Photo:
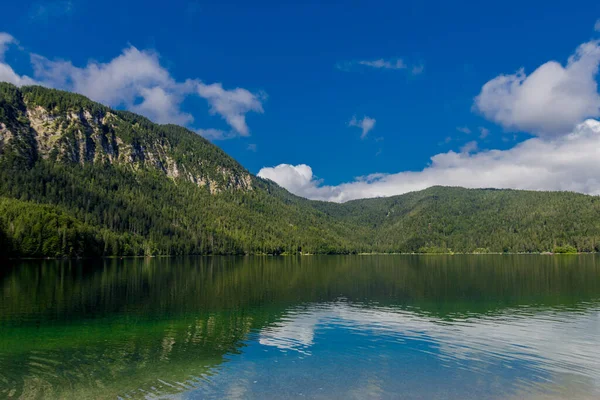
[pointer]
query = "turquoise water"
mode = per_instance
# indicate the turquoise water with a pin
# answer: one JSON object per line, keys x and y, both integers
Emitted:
{"x": 342, "y": 327}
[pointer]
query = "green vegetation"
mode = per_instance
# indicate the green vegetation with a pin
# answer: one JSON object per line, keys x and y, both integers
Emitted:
{"x": 468, "y": 219}
{"x": 79, "y": 179}
{"x": 434, "y": 250}
{"x": 41, "y": 230}
{"x": 481, "y": 251}
{"x": 568, "y": 249}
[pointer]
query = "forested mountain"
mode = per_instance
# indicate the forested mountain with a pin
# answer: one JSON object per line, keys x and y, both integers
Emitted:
{"x": 440, "y": 219}
{"x": 80, "y": 179}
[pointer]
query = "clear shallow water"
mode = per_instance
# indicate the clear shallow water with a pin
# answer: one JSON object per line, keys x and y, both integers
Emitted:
{"x": 464, "y": 327}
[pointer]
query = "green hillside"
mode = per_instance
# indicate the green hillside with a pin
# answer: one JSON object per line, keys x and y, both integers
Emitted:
{"x": 466, "y": 220}
{"x": 80, "y": 179}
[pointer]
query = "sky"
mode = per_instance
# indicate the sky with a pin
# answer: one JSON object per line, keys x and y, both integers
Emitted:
{"x": 340, "y": 100}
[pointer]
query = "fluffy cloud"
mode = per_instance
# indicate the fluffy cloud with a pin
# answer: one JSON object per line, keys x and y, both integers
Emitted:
{"x": 597, "y": 25}
{"x": 298, "y": 179}
{"x": 463, "y": 129}
{"x": 162, "y": 106}
{"x": 118, "y": 82}
{"x": 569, "y": 162}
{"x": 232, "y": 105}
{"x": 366, "y": 124}
{"x": 548, "y": 102}
{"x": 138, "y": 82}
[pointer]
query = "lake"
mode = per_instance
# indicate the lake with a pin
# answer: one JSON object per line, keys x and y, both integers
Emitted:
{"x": 316, "y": 327}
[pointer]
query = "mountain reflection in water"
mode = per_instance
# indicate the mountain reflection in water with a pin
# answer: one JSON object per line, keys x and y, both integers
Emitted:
{"x": 486, "y": 326}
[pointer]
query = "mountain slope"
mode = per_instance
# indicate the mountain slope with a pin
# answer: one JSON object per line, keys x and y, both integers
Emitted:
{"x": 464, "y": 220}
{"x": 43, "y": 124}
{"x": 80, "y": 179}
{"x": 141, "y": 188}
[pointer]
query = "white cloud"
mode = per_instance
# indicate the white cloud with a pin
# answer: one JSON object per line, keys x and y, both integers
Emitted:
{"x": 232, "y": 105}
{"x": 366, "y": 124}
{"x": 137, "y": 81}
{"x": 382, "y": 63}
{"x": 551, "y": 100}
{"x": 483, "y": 132}
{"x": 568, "y": 162}
{"x": 298, "y": 179}
{"x": 469, "y": 147}
{"x": 463, "y": 129}
{"x": 161, "y": 106}
{"x": 597, "y": 25}
{"x": 5, "y": 41}
{"x": 252, "y": 147}
{"x": 7, "y": 74}
{"x": 119, "y": 81}
{"x": 130, "y": 77}
{"x": 385, "y": 64}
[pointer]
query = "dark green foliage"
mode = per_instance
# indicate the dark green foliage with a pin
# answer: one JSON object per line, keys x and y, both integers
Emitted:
{"x": 81, "y": 198}
{"x": 33, "y": 230}
{"x": 10, "y": 102}
{"x": 147, "y": 214}
{"x": 60, "y": 101}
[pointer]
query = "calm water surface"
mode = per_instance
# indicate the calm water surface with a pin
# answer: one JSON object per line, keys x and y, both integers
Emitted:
{"x": 363, "y": 327}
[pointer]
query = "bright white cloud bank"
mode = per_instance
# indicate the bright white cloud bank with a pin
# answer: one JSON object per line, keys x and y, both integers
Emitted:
{"x": 137, "y": 81}
{"x": 551, "y": 100}
{"x": 570, "y": 162}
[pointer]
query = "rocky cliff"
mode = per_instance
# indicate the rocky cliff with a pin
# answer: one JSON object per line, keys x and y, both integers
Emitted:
{"x": 39, "y": 123}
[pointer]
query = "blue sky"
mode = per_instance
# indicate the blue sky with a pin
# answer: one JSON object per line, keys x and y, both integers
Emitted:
{"x": 308, "y": 74}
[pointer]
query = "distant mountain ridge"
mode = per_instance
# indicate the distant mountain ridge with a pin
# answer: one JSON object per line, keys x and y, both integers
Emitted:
{"x": 80, "y": 179}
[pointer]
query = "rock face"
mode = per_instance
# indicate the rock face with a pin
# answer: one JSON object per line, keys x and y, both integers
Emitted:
{"x": 71, "y": 129}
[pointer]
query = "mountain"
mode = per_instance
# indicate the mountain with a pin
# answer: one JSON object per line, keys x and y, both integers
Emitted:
{"x": 466, "y": 220}
{"x": 80, "y": 179}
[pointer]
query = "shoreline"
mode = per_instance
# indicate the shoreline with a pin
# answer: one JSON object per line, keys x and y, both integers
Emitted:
{"x": 290, "y": 255}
